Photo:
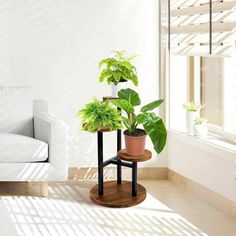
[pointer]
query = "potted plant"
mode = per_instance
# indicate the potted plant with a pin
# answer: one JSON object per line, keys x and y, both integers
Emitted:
{"x": 200, "y": 127}
{"x": 153, "y": 125}
{"x": 192, "y": 109}
{"x": 99, "y": 115}
{"x": 116, "y": 70}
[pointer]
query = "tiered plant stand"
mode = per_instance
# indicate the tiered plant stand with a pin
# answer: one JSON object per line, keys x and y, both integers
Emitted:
{"x": 118, "y": 193}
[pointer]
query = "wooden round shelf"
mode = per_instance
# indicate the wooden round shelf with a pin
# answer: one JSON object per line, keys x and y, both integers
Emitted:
{"x": 105, "y": 129}
{"x": 118, "y": 195}
{"x": 123, "y": 155}
{"x": 109, "y": 98}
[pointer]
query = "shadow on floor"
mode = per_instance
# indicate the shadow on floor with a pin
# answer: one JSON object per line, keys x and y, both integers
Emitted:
{"x": 69, "y": 211}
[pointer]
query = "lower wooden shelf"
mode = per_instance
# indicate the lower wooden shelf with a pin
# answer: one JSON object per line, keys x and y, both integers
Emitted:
{"x": 118, "y": 195}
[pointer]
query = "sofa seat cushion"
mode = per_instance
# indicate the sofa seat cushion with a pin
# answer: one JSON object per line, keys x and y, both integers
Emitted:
{"x": 18, "y": 148}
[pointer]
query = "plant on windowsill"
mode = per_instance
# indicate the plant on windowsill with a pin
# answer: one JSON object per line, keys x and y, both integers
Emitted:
{"x": 200, "y": 127}
{"x": 153, "y": 125}
{"x": 99, "y": 115}
{"x": 192, "y": 109}
{"x": 116, "y": 70}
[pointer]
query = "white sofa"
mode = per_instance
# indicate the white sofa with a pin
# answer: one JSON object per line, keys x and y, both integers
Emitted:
{"x": 32, "y": 143}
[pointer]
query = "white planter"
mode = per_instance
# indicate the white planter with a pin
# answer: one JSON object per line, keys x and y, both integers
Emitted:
{"x": 200, "y": 130}
{"x": 116, "y": 88}
{"x": 190, "y": 117}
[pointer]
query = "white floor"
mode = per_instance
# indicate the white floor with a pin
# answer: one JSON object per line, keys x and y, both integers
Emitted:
{"x": 168, "y": 210}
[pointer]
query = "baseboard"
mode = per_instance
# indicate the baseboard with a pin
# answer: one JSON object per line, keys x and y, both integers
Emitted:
{"x": 90, "y": 173}
{"x": 24, "y": 188}
{"x": 219, "y": 201}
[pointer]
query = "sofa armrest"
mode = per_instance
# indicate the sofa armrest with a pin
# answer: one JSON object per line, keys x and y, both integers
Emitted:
{"x": 54, "y": 133}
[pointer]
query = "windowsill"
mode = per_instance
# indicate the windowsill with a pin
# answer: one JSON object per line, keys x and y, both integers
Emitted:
{"x": 210, "y": 144}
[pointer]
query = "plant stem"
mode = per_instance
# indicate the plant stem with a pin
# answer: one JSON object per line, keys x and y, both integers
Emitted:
{"x": 132, "y": 122}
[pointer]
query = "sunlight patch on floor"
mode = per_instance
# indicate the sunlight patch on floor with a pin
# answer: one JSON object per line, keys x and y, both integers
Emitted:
{"x": 69, "y": 211}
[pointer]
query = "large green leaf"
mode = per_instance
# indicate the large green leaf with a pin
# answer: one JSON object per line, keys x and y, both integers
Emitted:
{"x": 152, "y": 105}
{"x": 123, "y": 105}
{"x": 129, "y": 95}
{"x": 155, "y": 128}
{"x": 140, "y": 118}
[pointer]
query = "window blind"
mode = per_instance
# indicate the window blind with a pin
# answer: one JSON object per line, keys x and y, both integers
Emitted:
{"x": 202, "y": 27}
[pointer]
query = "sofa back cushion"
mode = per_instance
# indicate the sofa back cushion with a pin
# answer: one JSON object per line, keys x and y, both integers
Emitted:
{"x": 16, "y": 110}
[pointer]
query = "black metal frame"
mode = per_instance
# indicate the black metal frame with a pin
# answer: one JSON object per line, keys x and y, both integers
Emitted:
{"x": 210, "y": 26}
{"x": 115, "y": 161}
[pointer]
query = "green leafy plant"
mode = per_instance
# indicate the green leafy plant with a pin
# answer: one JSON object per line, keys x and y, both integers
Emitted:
{"x": 192, "y": 106}
{"x": 152, "y": 124}
{"x": 200, "y": 120}
{"x": 98, "y": 115}
{"x": 118, "y": 69}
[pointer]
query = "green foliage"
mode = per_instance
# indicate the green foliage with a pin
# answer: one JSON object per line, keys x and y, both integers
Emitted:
{"x": 192, "y": 106}
{"x": 117, "y": 69}
{"x": 123, "y": 105}
{"x": 155, "y": 128}
{"x": 130, "y": 95}
{"x": 200, "y": 120}
{"x": 152, "y": 124}
{"x": 97, "y": 115}
{"x": 152, "y": 105}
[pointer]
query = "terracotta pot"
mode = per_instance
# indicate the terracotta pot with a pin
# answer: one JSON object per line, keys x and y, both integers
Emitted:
{"x": 135, "y": 145}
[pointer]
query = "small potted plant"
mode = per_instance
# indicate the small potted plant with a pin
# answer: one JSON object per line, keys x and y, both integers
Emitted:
{"x": 99, "y": 115}
{"x": 153, "y": 125}
{"x": 116, "y": 70}
{"x": 200, "y": 127}
{"x": 192, "y": 109}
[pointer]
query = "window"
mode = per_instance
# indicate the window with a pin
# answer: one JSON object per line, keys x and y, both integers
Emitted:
{"x": 201, "y": 66}
{"x": 210, "y": 81}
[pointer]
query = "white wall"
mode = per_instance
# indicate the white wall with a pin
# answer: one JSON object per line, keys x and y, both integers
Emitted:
{"x": 55, "y": 46}
{"x": 207, "y": 164}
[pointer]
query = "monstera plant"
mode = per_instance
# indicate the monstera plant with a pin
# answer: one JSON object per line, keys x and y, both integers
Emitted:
{"x": 152, "y": 124}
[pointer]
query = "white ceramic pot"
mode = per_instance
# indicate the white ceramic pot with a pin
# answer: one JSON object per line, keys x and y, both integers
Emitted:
{"x": 190, "y": 117}
{"x": 200, "y": 130}
{"x": 116, "y": 88}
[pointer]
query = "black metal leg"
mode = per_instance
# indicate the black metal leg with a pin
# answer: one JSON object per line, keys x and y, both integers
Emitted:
{"x": 134, "y": 179}
{"x": 100, "y": 163}
{"x": 119, "y": 161}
